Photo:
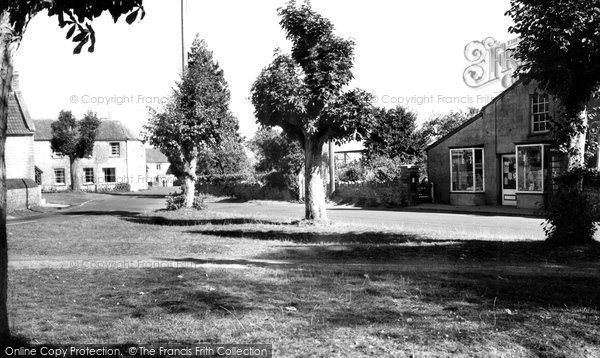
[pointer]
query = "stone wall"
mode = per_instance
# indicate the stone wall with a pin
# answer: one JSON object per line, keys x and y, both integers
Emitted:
{"x": 404, "y": 192}
{"x": 22, "y": 194}
{"x": 244, "y": 191}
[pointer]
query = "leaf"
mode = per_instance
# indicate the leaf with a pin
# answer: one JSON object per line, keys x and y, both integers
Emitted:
{"x": 70, "y": 32}
{"x": 80, "y": 36}
{"x": 78, "y": 48}
{"x": 131, "y": 17}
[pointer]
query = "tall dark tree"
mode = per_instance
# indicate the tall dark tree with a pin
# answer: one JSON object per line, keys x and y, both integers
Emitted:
{"x": 15, "y": 15}
{"x": 560, "y": 49}
{"x": 74, "y": 139}
{"x": 304, "y": 94}
{"x": 275, "y": 151}
{"x": 393, "y": 134}
{"x": 196, "y": 118}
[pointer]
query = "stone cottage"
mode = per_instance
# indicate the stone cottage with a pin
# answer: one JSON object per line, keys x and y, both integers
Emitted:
{"x": 22, "y": 190}
{"x": 118, "y": 157}
{"x": 502, "y": 156}
{"x": 158, "y": 169}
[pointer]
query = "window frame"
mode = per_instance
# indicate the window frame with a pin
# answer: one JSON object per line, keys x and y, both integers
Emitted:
{"x": 118, "y": 146}
{"x": 532, "y": 114}
{"x": 542, "y": 159}
{"x": 85, "y": 181}
{"x": 159, "y": 166}
{"x": 104, "y": 175}
{"x": 64, "y": 176}
{"x": 474, "y": 191}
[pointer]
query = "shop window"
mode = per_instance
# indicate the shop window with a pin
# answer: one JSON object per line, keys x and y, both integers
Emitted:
{"x": 530, "y": 168}
{"x": 466, "y": 170}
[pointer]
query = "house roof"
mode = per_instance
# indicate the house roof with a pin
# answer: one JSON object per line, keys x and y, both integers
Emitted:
{"x": 153, "y": 155}
{"x": 475, "y": 117}
{"x": 109, "y": 130}
{"x": 19, "y": 121}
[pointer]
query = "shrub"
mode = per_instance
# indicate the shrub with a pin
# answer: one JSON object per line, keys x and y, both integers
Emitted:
{"x": 176, "y": 201}
{"x": 351, "y": 172}
{"x": 571, "y": 212}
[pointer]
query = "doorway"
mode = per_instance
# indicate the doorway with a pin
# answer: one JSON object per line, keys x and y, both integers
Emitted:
{"x": 509, "y": 180}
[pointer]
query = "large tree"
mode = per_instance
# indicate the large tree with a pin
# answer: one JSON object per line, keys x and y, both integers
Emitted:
{"x": 196, "y": 118}
{"x": 560, "y": 49}
{"x": 74, "y": 139}
{"x": 305, "y": 94}
{"x": 15, "y": 15}
{"x": 393, "y": 134}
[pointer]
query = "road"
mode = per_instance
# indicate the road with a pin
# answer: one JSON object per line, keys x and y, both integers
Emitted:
{"x": 453, "y": 224}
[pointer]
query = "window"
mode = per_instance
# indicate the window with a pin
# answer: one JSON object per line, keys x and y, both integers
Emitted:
{"x": 540, "y": 118}
{"x": 88, "y": 175}
{"x": 530, "y": 168}
{"x": 466, "y": 170}
{"x": 115, "y": 149}
{"x": 110, "y": 175}
{"x": 158, "y": 166}
{"x": 57, "y": 155}
{"x": 59, "y": 176}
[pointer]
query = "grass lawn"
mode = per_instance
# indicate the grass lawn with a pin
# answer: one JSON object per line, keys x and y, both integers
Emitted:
{"x": 339, "y": 291}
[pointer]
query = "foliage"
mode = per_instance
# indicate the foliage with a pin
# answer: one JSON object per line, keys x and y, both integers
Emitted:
{"x": 351, "y": 172}
{"x": 393, "y": 133}
{"x": 304, "y": 93}
{"x": 276, "y": 151}
{"x": 573, "y": 210}
{"x": 73, "y": 138}
{"x": 75, "y": 14}
{"x": 279, "y": 157}
{"x": 439, "y": 126}
{"x": 560, "y": 49}
{"x": 197, "y": 116}
{"x": 228, "y": 159}
{"x": 177, "y": 201}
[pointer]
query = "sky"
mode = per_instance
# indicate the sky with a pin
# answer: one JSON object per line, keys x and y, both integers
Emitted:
{"x": 410, "y": 53}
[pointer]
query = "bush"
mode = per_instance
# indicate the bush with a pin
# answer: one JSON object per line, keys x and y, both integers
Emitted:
{"x": 351, "y": 172}
{"x": 177, "y": 201}
{"x": 571, "y": 212}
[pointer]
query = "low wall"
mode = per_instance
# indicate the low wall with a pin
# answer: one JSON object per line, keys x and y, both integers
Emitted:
{"x": 403, "y": 192}
{"x": 244, "y": 191}
{"x": 22, "y": 194}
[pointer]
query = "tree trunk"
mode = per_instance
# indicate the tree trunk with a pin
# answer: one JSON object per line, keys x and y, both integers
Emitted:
{"x": 7, "y": 47}
{"x": 75, "y": 177}
{"x": 577, "y": 144}
{"x": 190, "y": 180}
{"x": 314, "y": 192}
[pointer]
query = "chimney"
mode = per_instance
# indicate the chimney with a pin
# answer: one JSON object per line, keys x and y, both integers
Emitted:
{"x": 15, "y": 81}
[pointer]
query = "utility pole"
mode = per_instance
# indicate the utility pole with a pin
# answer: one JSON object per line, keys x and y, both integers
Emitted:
{"x": 182, "y": 41}
{"x": 331, "y": 170}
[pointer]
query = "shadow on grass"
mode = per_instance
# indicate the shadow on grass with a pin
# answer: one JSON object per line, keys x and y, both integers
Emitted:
{"x": 117, "y": 213}
{"x": 162, "y": 221}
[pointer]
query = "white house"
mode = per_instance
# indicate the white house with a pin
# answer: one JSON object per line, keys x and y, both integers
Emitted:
{"x": 158, "y": 169}
{"x": 118, "y": 157}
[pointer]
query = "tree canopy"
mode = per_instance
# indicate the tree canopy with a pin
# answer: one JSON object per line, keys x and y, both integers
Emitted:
{"x": 196, "y": 118}
{"x": 305, "y": 93}
{"x": 559, "y": 48}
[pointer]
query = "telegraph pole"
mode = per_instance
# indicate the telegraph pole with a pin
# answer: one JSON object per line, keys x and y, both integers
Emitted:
{"x": 182, "y": 42}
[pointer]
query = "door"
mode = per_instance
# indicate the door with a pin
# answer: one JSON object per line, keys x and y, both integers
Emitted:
{"x": 509, "y": 180}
